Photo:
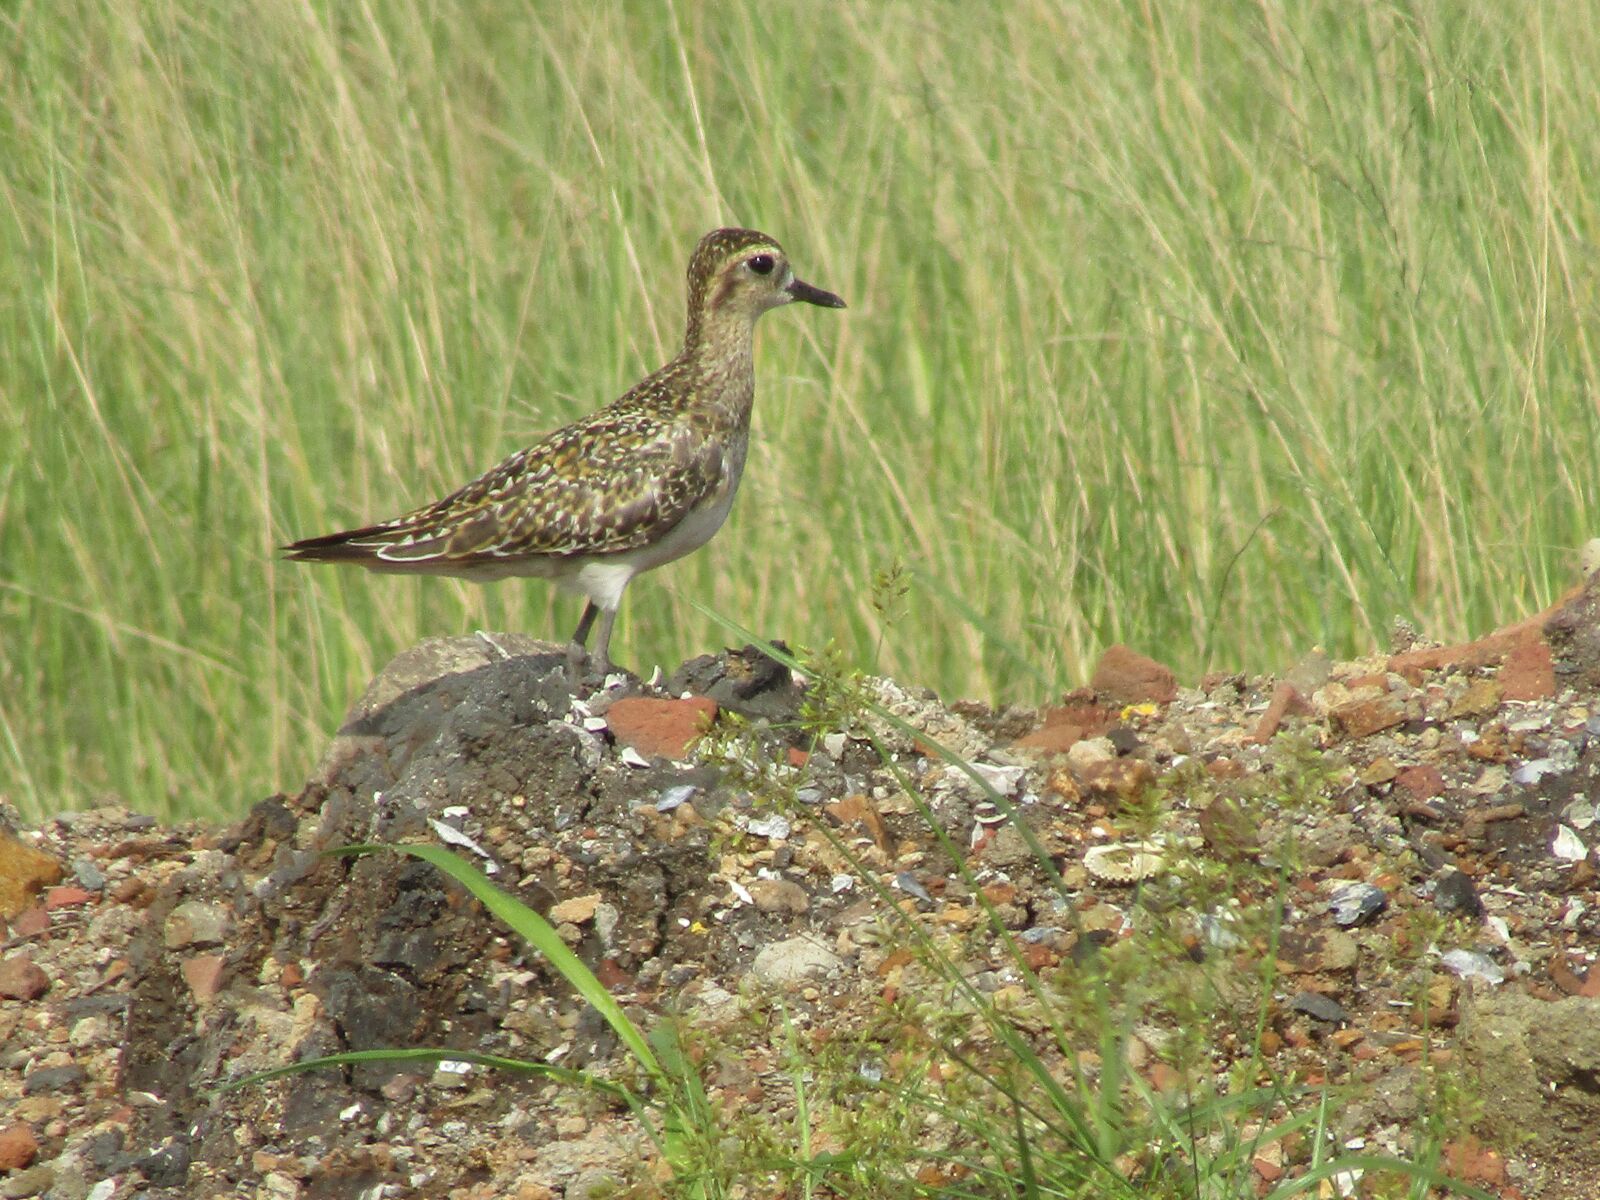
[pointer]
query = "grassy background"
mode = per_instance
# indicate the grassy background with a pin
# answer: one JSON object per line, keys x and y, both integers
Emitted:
{"x": 1220, "y": 329}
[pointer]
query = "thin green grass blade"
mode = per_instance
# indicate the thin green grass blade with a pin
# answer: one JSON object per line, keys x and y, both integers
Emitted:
{"x": 1306, "y": 1184}
{"x": 434, "y": 1054}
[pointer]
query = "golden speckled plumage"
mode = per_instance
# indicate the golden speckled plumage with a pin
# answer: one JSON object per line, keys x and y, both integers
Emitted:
{"x": 639, "y": 483}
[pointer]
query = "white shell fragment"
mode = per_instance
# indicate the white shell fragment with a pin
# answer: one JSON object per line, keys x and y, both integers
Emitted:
{"x": 452, "y": 836}
{"x": 1003, "y": 779}
{"x": 1124, "y": 862}
{"x": 675, "y": 797}
{"x": 774, "y": 825}
{"x": 1470, "y": 965}
{"x": 633, "y": 758}
{"x": 1219, "y": 927}
{"x": 1581, "y": 814}
{"x": 1568, "y": 845}
{"x": 906, "y": 882}
{"x": 1534, "y": 770}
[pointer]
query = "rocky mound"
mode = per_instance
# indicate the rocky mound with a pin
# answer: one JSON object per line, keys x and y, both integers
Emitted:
{"x": 145, "y": 965}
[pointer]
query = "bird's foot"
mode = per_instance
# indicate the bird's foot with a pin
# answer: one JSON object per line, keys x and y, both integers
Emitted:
{"x": 586, "y": 672}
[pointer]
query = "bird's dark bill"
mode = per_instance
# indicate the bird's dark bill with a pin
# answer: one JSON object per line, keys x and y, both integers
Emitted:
{"x": 802, "y": 290}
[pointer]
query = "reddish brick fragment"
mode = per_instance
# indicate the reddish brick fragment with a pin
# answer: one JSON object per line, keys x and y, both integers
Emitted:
{"x": 1423, "y": 782}
{"x": 1128, "y": 677}
{"x": 1286, "y": 700}
{"x": 18, "y": 1147}
{"x": 67, "y": 897}
{"x": 1363, "y": 717}
{"x": 21, "y": 979}
{"x": 660, "y": 728}
{"x": 203, "y": 973}
{"x": 1529, "y": 673}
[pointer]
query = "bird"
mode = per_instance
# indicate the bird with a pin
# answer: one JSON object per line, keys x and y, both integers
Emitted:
{"x": 632, "y": 486}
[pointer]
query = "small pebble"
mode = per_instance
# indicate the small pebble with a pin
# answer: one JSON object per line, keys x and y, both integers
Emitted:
{"x": 21, "y": 980}
{"x": 1319, "y": 1007}
{"x": 1124, "y": 739}
{"x": 88, "y": 875}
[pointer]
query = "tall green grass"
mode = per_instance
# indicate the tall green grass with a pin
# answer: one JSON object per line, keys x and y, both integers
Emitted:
{"x": 1222, "y": 329}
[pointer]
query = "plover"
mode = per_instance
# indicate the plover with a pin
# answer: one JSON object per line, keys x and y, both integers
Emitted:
{"x": 643, "y": 481}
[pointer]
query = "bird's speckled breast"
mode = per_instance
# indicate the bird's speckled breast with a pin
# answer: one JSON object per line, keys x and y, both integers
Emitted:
{"x": 701, "y": 523}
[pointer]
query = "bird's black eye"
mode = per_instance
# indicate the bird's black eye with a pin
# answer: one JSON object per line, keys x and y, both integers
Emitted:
{"x": 761, "y": 264}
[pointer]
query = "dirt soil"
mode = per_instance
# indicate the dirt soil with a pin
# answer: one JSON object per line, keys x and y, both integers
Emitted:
{"x": 1455, "y": 798}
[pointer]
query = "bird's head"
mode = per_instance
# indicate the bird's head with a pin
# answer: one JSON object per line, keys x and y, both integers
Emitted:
{"x": 738, "y": 274}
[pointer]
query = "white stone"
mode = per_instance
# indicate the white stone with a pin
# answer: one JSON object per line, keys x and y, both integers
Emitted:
{"x": 794, "y": 961}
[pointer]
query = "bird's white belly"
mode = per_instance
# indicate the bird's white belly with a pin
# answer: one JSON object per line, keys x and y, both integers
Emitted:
{"x": 604, "y": 577}
{"x": 697, "y": 528}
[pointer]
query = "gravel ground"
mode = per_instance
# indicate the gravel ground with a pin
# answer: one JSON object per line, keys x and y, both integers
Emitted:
{"x": 1448, "y": 794}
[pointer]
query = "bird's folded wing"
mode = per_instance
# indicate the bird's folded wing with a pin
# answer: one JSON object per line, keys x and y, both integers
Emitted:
{"x": 599, "y": 487}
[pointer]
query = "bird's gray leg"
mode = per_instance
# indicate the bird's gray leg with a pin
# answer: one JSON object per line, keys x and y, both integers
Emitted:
{"x": 575, "y": 650}
{"x": 602, "y": 646}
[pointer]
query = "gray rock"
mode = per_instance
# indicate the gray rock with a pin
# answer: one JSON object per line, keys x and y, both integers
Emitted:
{"x": 197, "y": 923}
{"x": 1573, "y": 632}
{"x": 168, "y": 1166}
{"x": 1310, "y": 673}
{"x": 710, "y": 1004}
{"x": 30, "y": 1182}
{"x": 1398, "y": 1095}
{"x": 779, "y": 896}
{"x": 1319, "y": 1007}
{"x": 419, "y": 732}
{"x": 1455, "y": 893}
{"x": 88, "y": 875}
{"x": 1538, "y": 1060}
{"x": 1009, "y": 850}
{"x": 54, "y": 1079}
{"x": 1357, "y": 903}
{"x": 745, "y": 681}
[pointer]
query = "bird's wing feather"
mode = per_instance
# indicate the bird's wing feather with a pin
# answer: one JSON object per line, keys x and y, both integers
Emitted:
{"x": 615, "y": 481}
